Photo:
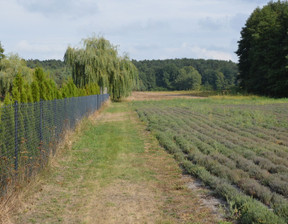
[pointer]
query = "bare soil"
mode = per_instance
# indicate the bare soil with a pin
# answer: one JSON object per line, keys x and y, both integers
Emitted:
{"x": 139, "y": 96}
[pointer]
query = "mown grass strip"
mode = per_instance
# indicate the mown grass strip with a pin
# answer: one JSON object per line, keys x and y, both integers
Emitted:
{"x": 114, "y": 172}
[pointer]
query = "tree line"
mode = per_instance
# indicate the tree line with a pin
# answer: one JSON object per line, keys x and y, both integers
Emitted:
{"x": 171, "y": 74}
{"x": 186, "y": 74}
{"x": 56, "y": 69}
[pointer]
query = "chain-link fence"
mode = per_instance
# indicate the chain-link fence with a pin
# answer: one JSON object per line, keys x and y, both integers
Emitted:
{"x": 29, "y": 133}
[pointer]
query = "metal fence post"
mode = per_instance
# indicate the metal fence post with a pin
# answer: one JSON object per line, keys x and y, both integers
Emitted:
{"x": 41, "y": 117}
{"x": 54, "y": 135}
{"x": 54, "y": 111}
{"x": 98, "y": 102}
{"x": 16, "y": 135}
{"x": 65, "y": 108}
{"x": 65, "y": 114}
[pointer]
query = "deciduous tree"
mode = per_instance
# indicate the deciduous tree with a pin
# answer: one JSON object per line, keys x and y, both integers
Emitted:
{"x": 263, "y": 49}
{"x": 98, "y": 62}
{"x": 11, "y": 66}
{"x": 188, "y": 79}
{"x": 1, "y": 52}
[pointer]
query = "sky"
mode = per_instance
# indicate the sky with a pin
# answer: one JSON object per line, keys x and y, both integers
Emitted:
{"x": 144, "y": 29}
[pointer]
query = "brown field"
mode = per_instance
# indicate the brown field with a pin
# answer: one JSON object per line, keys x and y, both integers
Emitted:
{"x": 163, "y": 95}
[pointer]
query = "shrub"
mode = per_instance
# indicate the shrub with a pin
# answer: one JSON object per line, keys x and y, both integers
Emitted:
{"x": 253, "y": 188}
{"x": 250, "y": 211}
{"x": 277, "y": 185}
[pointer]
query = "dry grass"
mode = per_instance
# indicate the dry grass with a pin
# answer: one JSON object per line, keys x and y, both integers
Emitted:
{"x": 139, "y": 96}
{"x": 17, "y": 194}
{"x": 95, "y": 116}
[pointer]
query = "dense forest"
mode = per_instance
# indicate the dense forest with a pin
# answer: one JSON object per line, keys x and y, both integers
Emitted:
{"x": 170, "y": 74}
{"x": 186, "y": 74}
{"x": 263, "y": 51}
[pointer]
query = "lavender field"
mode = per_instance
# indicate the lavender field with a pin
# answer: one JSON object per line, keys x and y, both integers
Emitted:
{"x": 237, "y": 147}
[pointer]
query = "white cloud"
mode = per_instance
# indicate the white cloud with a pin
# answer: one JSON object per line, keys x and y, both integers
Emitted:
{"x": 42, "y": 49}
{"x": 210, "y": 54}
{"x": 194, "y": 51}
{"x": 144, "y": 28}
{"x": 58, "y": 8}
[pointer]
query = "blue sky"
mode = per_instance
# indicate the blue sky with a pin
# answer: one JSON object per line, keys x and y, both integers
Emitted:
{"x": 145, "y": 29}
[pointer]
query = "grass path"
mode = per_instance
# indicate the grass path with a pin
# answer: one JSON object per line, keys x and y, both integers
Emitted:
{"x": 113, "y": 172}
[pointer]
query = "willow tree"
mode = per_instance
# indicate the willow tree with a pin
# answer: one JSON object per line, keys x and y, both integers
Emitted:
{"x": 98, "y": 62}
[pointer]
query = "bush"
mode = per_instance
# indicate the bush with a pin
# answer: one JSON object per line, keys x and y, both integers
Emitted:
{"x": 255, "y": 213}
{"x": 253, "y": 188}
{"x": 249, "y": 210}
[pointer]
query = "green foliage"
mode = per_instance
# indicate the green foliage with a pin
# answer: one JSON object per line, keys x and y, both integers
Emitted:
{"x": 91, "y": 89}
{"x": 219, "y": 81}
{"x": 1, "y": 53}
{"x": 98, "y": 62}
{"x": 44, "y": 88}
{"x": 20, "y": 89}
{"x": 35, "y": 91}
{"x": 8, "y": 99}
{"x": 263, "y": 51}
{"x": 255, "y": 213}
{"x": 165, "y": 76}
{"x": 56, "y": 69}
{"x": 168, "y": 74}
{"x": 10, "y": 67}
{"x": 42, "y": 81}
{"x": 69, "y": 89}
{"x": 188, "y": 79}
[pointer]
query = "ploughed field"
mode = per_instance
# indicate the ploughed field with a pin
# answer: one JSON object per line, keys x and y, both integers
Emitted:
{"x": 238, "y": 147}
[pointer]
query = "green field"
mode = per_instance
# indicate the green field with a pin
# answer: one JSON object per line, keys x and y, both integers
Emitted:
{"x": 236, "y": 145}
